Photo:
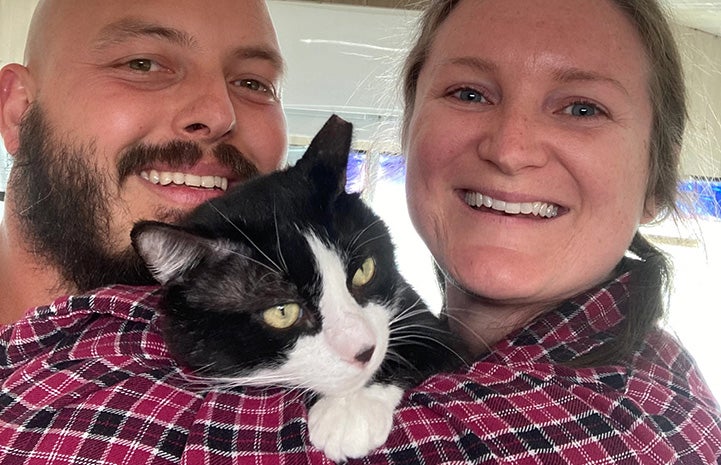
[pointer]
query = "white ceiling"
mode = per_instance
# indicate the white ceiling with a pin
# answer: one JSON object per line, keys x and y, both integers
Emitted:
{"x": 704, "y": 15}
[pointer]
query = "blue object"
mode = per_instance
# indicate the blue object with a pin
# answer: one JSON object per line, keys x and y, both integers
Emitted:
{"x": 705, "y": 195}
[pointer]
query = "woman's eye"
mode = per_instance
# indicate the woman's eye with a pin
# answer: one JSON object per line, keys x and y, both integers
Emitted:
{"x": 583, "y": 110}
{"x": 144, "y": 65}
{"x": 469, "y": 95}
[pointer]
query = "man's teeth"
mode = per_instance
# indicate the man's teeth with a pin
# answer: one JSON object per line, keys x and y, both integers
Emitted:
{"x": 546, "y": 210}
{"x": 165, "y": 177}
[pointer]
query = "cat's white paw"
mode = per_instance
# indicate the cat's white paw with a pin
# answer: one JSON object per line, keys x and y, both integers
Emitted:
{"x": 353, "y": 425}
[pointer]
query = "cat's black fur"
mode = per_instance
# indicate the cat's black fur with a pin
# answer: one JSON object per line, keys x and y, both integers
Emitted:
{"x": 247, "y": 251}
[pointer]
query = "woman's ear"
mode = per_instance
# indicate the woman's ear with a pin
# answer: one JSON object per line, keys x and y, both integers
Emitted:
{"x": 15, "y": 98}
{"x": 650, "y": 211}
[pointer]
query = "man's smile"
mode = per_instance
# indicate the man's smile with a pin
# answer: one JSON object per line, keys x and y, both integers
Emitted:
{"x": 164, "y": 178}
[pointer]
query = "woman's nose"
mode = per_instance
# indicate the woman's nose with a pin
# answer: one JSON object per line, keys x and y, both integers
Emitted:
{"x": 514, "y": 141}
{"x": 208, "y": 113}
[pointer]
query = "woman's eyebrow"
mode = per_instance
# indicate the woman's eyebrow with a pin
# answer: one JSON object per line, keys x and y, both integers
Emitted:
{"x": 131, "y": 28}
{"x": 576, "y": 74}
{"x": 570, "y": 74}
{"x": 475, "y": 63}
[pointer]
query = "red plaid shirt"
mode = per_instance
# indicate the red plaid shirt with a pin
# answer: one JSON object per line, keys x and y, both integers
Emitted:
{"x": 88, "y": 380}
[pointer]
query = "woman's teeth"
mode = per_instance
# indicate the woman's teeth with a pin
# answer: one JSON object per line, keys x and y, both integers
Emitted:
{"x": 543, "y": 209}
{"x": 165, "y": 177}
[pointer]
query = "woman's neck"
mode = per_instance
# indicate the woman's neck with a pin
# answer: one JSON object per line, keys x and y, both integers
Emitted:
{"x": 481, "y": 323}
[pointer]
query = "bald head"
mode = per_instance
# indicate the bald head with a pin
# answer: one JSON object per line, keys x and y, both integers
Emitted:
{"x": 44, "y": 24}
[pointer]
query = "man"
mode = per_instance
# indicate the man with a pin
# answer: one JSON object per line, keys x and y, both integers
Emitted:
{"x": 127, "y": 110}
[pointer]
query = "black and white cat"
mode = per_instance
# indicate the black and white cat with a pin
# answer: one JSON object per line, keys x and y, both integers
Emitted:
{"x": 288, "y": 280}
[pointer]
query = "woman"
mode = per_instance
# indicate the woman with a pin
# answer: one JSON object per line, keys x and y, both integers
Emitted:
{"x": 539, "y": 136}
{"x": 564, "y": 115}
{"x": 583, "y": 120}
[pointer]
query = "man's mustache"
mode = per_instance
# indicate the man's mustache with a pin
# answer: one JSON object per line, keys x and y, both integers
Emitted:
{"x": 178, "y": 154}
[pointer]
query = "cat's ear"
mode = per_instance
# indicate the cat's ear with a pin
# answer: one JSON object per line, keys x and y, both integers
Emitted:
{"x": 169, "y": 251}
{"x": 326, "y": 159}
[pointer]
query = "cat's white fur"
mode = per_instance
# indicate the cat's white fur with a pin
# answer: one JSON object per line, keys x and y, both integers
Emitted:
{"x": 354, "y": 424}
{"x": 353, "y": 417}
{"x": 326, "y": 359}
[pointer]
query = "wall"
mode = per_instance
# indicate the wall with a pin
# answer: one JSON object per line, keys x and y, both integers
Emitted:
{"x": 702, "y": 65}
{"x": 342, "y": 59}
{"x": 14, "y": 19}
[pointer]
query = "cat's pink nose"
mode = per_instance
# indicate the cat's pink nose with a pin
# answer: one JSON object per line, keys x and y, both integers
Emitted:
{"x": 365, "y": 355}
{"x": 350, "y": 337}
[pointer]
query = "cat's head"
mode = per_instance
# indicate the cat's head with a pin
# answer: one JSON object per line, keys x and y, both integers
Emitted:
{"x": 286, "y": 279}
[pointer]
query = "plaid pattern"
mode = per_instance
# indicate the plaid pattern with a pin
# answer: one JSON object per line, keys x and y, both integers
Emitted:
{"x": 88, "y": 380}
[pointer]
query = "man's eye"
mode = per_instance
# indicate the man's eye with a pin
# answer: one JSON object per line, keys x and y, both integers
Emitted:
{"x": 142, "y": 64}
{"x": 256, "y": 89}
{"x": 253, "y": 84}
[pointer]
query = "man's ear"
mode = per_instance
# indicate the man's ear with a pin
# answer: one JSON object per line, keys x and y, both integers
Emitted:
{"x": 15, "y": 98}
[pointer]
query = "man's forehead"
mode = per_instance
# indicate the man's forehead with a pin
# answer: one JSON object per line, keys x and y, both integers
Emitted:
{"x": 107, "y": 23}
{"x": 135, "y": 27}
{"x": 105, "y": 15}
{"x": 132, "y": 27}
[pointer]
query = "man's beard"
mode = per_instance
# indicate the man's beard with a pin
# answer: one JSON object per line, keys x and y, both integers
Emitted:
{"x": 62, "y": 201}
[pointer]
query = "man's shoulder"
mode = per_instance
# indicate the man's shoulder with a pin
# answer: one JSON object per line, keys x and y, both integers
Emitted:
{"x": 108, "y": 322}
{"x": 120, "y": 301}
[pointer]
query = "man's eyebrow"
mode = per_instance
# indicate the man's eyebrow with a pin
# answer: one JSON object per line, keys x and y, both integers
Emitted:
{"x": 575, "y": 74}
{"x": 131, "y": 28}
{"x": 262, "y": 53}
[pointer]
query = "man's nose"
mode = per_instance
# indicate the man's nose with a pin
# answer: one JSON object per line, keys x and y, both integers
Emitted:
{"x": 207, "y": 114}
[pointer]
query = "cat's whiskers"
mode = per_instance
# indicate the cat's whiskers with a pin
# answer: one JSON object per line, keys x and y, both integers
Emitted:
{"x": 418, "y": 339}
{"x": 370, "y": 239}
{"x": 298, "y": 393}
{"x": 468, "y": 328}
{"x": 225, "y": 217}
{"x": 277, "y": 239}
{"x": 192, "y": 381}
{"x": 416, "y": 333}
{"x": 353, "y": 245}
{"x": 204, "y": 384}
{"x": 232, "y": 251}
{"x": 401, "y": 330}
{"x": 397, "y": 321}
{"x": 401, "y": 360}
{"x": 417, "y": 305}
{"x": 408, "y": 312}
{"x": 255, "y": 380}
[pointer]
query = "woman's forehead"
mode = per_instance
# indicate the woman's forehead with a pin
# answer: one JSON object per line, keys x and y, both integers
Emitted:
{"x": 593, "y": 36}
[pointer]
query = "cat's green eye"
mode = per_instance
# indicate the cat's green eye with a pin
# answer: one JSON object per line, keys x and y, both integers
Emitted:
{"x": 282, "y": 316}
{"x": 365, "y": 273}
